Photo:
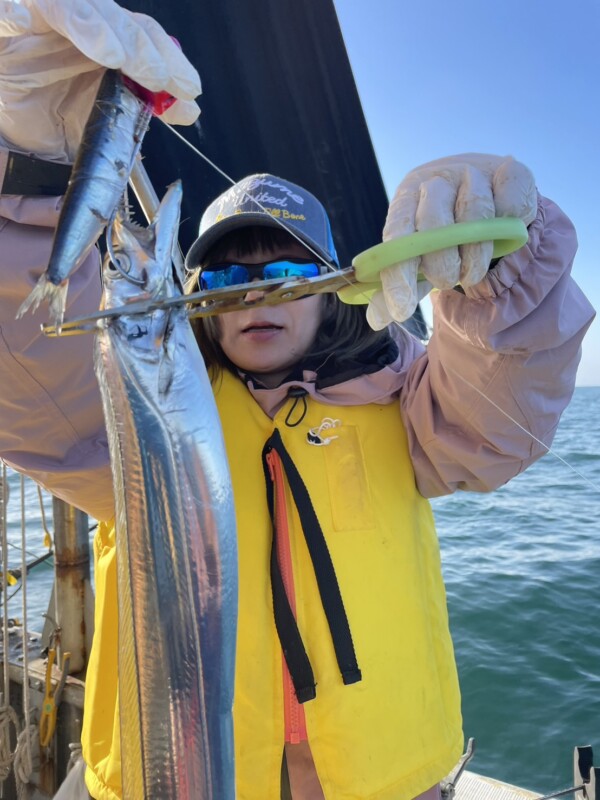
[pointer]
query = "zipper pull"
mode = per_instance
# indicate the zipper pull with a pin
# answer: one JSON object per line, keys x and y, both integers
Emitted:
{"x": 269, "y": 458}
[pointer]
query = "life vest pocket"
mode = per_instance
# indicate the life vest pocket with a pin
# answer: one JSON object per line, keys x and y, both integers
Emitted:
{"x": 349, "y": 493}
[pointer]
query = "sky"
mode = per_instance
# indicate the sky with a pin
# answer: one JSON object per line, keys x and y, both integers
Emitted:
{"x": 509, "y": 77}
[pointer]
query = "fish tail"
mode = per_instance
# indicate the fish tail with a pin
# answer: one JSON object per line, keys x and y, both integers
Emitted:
{"x": 55, "y": 294}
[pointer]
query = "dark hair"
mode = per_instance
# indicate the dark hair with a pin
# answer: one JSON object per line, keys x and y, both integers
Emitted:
{"x": 344, "y": 333}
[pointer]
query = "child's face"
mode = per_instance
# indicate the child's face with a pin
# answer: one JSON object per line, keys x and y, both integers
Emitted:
{"x": 269, "y": 340}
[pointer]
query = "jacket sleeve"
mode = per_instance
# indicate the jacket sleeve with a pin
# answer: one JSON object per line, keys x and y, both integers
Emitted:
{"x": 51, "y": 422}
{"x": 485, "y": 400}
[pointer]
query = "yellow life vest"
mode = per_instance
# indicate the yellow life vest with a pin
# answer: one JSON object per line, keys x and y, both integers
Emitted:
{"x": 397, "y": 731}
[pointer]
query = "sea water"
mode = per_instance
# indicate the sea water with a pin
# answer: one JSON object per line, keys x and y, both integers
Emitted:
{"x": 522, "y": 570}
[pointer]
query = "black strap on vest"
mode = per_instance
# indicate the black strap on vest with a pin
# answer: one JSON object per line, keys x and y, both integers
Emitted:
{"x": 28, "y": 175}
{"x": 297, "y": 392}
{"x": 291, "y": 642}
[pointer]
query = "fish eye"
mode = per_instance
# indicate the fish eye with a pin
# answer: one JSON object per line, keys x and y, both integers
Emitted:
{"x": 122, "y": 267}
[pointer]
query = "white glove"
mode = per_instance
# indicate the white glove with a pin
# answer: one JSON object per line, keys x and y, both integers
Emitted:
{"x": 53, "y": 55}
{"x": 460, "y": 188}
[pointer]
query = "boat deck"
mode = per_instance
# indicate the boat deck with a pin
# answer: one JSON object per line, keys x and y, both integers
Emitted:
{"x": 472, "y": 786}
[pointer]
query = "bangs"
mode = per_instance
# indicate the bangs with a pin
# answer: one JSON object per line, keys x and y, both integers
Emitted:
{"x": 245, "y": 241}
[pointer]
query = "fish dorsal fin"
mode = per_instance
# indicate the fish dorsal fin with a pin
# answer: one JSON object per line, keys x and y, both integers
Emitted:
{"x": 166, "y": 221}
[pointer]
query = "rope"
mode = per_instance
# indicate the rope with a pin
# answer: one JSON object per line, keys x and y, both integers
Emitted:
{"x": 29, "y": 737}
{"x": 3, "y": 496}
{"x": 8, "y": 715}
{"x": 23, "y": 763}
{"x": 3, "y": 532}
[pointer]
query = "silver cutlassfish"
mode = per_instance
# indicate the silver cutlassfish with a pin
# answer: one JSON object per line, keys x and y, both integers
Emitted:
{"x": 110, "y": 142}
{"x": 176, "y": 541}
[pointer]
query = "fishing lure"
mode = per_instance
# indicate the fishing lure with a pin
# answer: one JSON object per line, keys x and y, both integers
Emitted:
{"x": 111, "y": 140}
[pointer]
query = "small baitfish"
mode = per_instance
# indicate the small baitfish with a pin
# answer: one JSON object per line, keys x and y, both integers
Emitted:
{"x": 175, "y": 526}
{"x": 110, "y": 141}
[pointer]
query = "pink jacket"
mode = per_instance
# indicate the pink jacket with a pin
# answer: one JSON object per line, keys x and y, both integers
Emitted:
{"x": 512, "y": 343}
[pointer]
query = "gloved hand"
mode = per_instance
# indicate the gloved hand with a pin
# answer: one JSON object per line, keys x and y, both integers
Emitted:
{"x": 53, "y": 55}
{"x": 459, "y": 188}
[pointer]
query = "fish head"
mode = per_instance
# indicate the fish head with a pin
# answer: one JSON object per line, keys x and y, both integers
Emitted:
{"x": 138, "y": 265}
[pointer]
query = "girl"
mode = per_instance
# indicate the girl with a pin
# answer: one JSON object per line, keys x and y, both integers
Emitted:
{"x": 346, "y": 684}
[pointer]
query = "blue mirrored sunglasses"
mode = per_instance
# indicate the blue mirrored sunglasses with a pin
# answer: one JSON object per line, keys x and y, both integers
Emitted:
{"x": 222, "y": 275}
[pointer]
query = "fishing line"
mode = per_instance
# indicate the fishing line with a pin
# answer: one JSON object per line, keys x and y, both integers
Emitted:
{"x": 399, "y": 325}
{"x": 29, "y": 552}
{"x": 10, "y": 596}
{"x": 518, "y": 424}
{"x": 227, "y": 177}
{"x": 290, "y": 231}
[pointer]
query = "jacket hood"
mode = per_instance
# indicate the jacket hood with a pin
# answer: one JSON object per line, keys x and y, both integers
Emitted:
{"x": 376, "y": 378}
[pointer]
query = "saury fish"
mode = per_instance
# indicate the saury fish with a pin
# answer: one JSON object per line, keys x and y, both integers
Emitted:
{"x": 110, "y": 141}
{"x": 175, "y": 528}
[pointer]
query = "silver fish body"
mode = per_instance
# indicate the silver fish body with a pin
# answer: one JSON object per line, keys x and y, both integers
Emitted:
{"x": 176, "y": 540}
{"x": 111, "y": 138}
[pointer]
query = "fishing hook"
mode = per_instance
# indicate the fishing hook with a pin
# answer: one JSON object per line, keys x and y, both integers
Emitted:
{"x": 114, "y": 258}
